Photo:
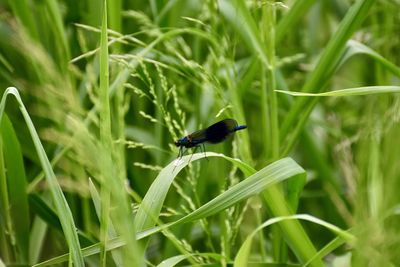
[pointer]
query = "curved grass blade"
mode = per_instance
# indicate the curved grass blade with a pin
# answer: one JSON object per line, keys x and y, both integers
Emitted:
{"x": 357, "y": 91}
{"x": 323, "y": 71}
{"x": 60, "y": 203}
{"x": 244, "y": 252}
{"x": 258, "y": 181}
{"x": 153, "y": 201}
{"x": 355, "y": 48}
{"x": 328, "y": 248}
{"x": 276, "y": 172}
{"x": 170, "y": 262}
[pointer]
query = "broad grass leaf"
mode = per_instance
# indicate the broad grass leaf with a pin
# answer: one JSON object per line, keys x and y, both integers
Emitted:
{"x": 278, "y": 171}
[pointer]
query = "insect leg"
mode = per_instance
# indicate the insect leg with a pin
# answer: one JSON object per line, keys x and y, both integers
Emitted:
{"x": 182, "y": 152}
{"x": 194, "y": 151}
{"x": 204, "y": 150}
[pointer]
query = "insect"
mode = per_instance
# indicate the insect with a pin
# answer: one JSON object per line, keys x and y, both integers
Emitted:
{"x": 213, "y": 134}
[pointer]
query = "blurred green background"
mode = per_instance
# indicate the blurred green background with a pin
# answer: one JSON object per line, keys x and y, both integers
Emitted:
{"x": 178, "y": 66}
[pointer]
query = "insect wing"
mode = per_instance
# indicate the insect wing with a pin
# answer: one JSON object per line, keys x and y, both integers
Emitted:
{"x": 198, "y": 137}
{"x": 219, "y": 131}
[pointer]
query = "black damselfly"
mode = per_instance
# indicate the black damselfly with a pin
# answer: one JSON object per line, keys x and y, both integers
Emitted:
{"x": 213, "y": 134}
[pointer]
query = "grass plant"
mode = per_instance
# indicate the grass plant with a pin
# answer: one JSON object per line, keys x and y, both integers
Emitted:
{"x": 94, "y": 94}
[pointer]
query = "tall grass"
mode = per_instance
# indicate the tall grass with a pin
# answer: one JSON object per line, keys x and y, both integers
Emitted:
{"x": 98, "y": 92}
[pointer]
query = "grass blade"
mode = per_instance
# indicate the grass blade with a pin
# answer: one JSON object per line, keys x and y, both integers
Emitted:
{"x": 170, "y": 262}
{"x": 354, "y": 48}
{"x": 151, "y": 205}
{"x": 357, "y": 91}
{"x": 299, "y": 8}
{"x": 256, "y": 183}
{"x": 63, "y": 211}
{"x": 24, "y": 14}
{"x": 112, "y": 182}
{"x": 238, "y": 15}
{"x": 244, "y": 251}
{"x": 323, "y": 71}
{"x": 105, "y": 135}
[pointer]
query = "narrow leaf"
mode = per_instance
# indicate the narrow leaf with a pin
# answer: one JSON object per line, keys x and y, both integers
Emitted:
{"x": 368, "y": 90}
{"x": 63, "y": 211}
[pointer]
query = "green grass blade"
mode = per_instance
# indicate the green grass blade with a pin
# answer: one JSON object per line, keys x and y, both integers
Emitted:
{"x": 88, "y": 251}
{"x": 63, "y": 211}
{"x": 57, "y": 27}
{"x": 355, "y": 48}
{"x": 170, "y": 262}
{"x": 112, "y": 182}
{"x": 153, "y": 201}
{"x": 105, "y": 135}
{"x": 293, "y": 231}
{"x": 238, "y": 15}
{"x": 272, "y": 174}
{"x": 357, "y": 91}
{"x": 242, "y": 257}
{"x": 289, "y": 20}
{"x": 23, "y": 12}
{"x": 294, "y": 234}
{"x": 256, "y": 183}
{"x": 37, "y": 239}
{"x": 328, "y": 248}
{"x": 46, "y": 213}
{"x": 111, "y": 231}
{"x": 323, "y": 71}
{"x": 150, "y": 208}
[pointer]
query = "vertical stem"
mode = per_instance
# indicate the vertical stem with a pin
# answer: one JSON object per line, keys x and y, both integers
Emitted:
{"x": 268, "y": 37}
{"x": 105, "y": 134}
{"x": 114, "y": 16}
{"x": 269, "y": 22}
{"x": 265, "y": 117}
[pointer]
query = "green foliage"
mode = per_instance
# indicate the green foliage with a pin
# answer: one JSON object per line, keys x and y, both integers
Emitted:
{"x": 100, "y": 90}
